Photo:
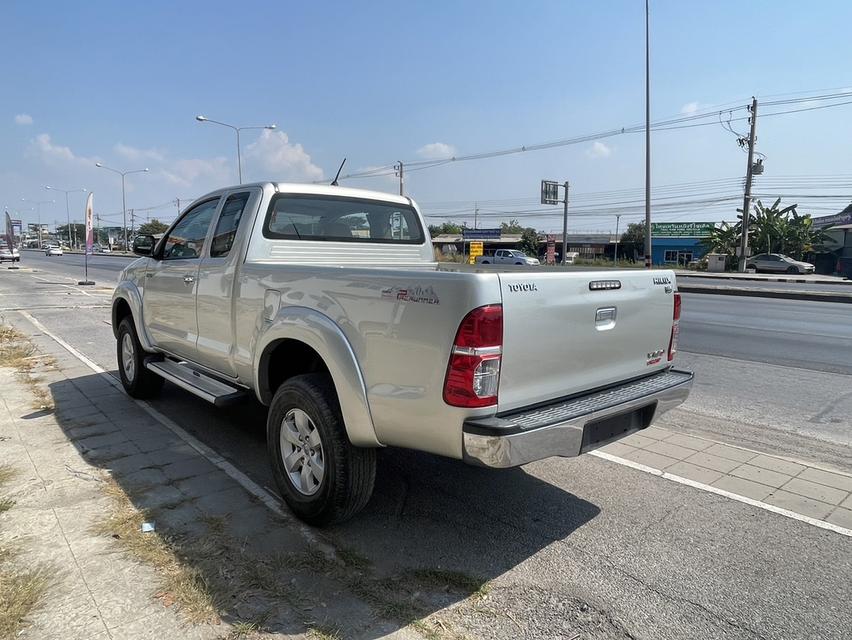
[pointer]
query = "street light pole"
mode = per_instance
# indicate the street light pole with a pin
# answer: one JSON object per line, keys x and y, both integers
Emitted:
{"x": 237, "y": 130}
{"x": 648, "y": 261}
{"x": 123, "y": 201}
{"x": 67, "y": 208}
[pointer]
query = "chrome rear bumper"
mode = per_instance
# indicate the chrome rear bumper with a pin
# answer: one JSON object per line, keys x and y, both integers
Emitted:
{"x": 574, "y": 425}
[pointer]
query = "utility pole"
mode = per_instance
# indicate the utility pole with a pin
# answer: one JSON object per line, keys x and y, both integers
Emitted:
{"x": 98, "y": 227}
{"x": 747, "y": 196}
{"x": 400, "y": 173}
{"x": 617, "y": 220}
{"x": 565, "y": 225}
{"x": 648, "y": 261}
{"x": 475, "y": 214}
{"x": 132, "y": 225}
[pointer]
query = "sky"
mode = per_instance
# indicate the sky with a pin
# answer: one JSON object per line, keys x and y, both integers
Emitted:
{"x": 380, "y": 82}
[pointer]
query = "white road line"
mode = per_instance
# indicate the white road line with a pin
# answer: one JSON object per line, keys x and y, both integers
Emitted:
{"x": 822, "y": 524}
{"x": 267, "y": 498}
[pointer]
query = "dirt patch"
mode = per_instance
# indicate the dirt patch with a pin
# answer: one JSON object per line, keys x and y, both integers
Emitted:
{"x": 17, "y": 352}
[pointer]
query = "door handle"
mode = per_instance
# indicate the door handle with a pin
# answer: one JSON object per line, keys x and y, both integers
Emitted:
{"x": 189, "y": 279}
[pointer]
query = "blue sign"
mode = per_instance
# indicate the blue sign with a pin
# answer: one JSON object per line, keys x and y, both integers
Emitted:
{"x": 481, "y": 234}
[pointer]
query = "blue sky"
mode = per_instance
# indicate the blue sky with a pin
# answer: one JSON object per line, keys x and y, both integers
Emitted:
{"x": 378, "y": 82}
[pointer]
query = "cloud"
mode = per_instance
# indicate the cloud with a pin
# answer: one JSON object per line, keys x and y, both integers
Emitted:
{"x": 137, "y": 155}
{"x": 189, "y": 172}
{"x": 436, "y": 151}
{"x": 43, "y": 148}
{"x": 598, "y": 150}
{"x": 274, "y": 156}
{"x": 689, "y": 108}
{"x": 23, "y": 119}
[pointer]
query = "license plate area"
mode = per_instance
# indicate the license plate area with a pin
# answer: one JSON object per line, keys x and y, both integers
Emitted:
{"x": 600, "y": 432}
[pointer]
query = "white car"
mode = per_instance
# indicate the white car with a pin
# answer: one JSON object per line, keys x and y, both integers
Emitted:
{"x": 12, "y": 256}
{"x": 53, "y": 251}
{"x": 508, "y": 256}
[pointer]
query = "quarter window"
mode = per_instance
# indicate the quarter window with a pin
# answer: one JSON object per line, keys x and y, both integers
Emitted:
{"x": 226, "y": 227}
{"x": 186, "y": 239}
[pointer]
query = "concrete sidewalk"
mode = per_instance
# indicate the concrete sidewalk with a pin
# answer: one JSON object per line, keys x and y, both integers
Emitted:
{"x": 220, "y": 564}
{"x": 801, "y": 488}
{"x": 787, "y": 294}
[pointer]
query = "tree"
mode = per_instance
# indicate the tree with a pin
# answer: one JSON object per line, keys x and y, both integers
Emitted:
{"x": 724, "y": 239}
{"x": 153, "y": 227}
{"x": 513, "y": 227}
{"x": 781, "y": 230}
{"x": 529, "y": 242}
{"x": 634, "y": 238}
{"x": 447, "y": 228}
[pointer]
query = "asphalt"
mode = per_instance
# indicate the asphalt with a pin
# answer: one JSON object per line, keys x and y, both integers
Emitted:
{"x": 583, "y": 542}
{"x": 765, "y": 284}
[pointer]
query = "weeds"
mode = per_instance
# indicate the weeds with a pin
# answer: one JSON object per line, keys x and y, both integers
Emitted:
{"x": 324, "y": 632}
{"x": 181, "y": 586}
{"x": 21, "y": 591}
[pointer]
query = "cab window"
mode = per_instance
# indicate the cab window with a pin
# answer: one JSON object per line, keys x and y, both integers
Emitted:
{"x": 187, "y": 237}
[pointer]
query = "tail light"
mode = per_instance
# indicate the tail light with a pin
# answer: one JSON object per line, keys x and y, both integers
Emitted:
{"x": 473, "y": 374}
{"x": 675, "y": 327}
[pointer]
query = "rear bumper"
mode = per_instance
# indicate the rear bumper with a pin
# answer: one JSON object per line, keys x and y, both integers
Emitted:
{"x": 575, "y": 425}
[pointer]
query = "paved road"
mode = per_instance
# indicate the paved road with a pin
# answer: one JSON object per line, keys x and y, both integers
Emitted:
{"x": 566, "y": 541}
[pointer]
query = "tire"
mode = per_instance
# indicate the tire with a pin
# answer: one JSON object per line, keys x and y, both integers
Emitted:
{"x": 792, "y": 269}
{"x": 137, "y": 381}
{"x": 347, "y": 474}
{"x": 519, "y": 263}
{"x": 485, "y": 262}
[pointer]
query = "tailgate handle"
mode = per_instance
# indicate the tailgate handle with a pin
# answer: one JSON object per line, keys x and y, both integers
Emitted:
{"x": 605, "y": 318}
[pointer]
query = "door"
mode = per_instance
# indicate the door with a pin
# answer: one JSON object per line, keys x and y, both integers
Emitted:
{"x": 215, "y": 293}
{"x": 168, "y": 299}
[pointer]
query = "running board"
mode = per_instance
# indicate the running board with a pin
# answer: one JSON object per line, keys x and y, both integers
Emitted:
{"x": 205, "y": 387}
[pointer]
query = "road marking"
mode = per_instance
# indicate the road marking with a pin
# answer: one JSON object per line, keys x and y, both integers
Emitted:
{"x": 822, "y": 524}
{"x": 267, "y": 498}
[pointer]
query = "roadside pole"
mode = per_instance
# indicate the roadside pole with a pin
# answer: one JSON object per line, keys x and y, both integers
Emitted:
{"x": 400, "y": 172}
{"x": 565, "y": 225}
{"x": 615, "y": 259}
{"x": 747, "y": 196}
{"x": 648, "y": 254}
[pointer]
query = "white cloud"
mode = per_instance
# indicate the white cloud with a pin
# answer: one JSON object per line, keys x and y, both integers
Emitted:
{"x": 191, "y": 173}
{"x": 436, "y": 151}
{"x": 598, "y": 150}
{"x": 23, "y": 118}
{"x": 43, "y": 148}
{"x": 689, "y": 108}
{"x": 275, "y": 157}
{"x": 138, "y": 155}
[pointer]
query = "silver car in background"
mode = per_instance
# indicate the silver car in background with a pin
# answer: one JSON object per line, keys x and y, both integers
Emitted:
{"x": 778, "y": 263}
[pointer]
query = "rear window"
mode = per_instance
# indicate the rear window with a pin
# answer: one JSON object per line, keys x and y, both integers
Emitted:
{"x": 338, "y": 219}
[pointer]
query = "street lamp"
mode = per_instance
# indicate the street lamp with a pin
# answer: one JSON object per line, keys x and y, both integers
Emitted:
{"x": 38, "y": 204}
{"x": 123, "y": 203}
{"x": 237, "y": 129}
{"x": 67, "y": 211}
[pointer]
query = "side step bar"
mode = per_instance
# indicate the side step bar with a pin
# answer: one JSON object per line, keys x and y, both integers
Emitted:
{"x": 215, "y": 391}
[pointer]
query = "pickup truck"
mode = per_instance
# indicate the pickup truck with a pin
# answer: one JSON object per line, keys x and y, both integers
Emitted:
{"x": 508, "y": 256}
{"x": 326, "y": 304}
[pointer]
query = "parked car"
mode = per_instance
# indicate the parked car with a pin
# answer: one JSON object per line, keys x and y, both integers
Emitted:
{"x": 53, "y": 251}
{"x": 7, "y": 255}
{"x": 357, "y": 339}
{"x": 778, "y": 263}
{"x": 507, "y": 256}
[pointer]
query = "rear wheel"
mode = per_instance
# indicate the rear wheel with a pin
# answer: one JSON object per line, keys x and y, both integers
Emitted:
{"x": 321, "y": 475}
{"x": 137, "y": 381}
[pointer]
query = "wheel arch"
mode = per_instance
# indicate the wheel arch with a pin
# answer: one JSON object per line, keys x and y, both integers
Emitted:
{"x": 301, "y": 340}
{"x": 127, "y": 301}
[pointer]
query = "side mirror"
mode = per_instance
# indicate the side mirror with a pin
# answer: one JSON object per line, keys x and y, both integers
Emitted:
{"x": 143, "y": 245}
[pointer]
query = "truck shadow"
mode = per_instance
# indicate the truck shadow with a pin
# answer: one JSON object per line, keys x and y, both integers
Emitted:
{"x": 435, "y": 533}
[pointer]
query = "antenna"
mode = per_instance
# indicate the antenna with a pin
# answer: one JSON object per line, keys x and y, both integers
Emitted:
{"x": 334, "y": 182}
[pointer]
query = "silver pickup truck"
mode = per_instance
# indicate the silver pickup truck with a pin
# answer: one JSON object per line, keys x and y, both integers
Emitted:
{"x": 327, "y": 305}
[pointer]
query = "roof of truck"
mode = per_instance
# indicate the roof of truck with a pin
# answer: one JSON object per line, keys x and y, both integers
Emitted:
{"x": 318, "y": 189}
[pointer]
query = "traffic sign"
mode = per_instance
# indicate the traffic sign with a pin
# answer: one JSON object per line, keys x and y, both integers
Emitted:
{"x": 549, "y": 192}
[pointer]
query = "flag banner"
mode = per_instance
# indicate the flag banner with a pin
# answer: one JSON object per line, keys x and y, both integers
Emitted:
{"x": 10, "y": 234}
{"x": 89, "y": 230}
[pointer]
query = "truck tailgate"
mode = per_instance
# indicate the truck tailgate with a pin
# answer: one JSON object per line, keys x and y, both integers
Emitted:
{"x": 563, "y": 336}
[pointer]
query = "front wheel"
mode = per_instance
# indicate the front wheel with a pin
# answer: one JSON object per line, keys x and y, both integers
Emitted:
{"x": 137, "y": 381}
{"x": 321, "y": 475}
{"x": 792, "y": 269}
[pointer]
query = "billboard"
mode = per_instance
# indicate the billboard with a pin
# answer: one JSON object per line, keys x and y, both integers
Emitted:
{"x": 682, "y": 229}
{"x": 481, "y": 234}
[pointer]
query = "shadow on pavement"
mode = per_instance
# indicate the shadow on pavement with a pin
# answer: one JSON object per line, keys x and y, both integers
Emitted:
{"x": 417, "y": 548}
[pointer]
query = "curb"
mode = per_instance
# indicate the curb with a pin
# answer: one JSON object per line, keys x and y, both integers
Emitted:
{"x": 814, "y": 296}
{"x": 724, "y": 276}
{"x": 80, "y": 253}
